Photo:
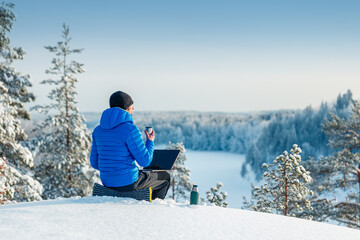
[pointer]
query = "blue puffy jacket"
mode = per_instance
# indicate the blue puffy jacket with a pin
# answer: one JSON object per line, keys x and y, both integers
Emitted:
{"x": 116, "y": 145}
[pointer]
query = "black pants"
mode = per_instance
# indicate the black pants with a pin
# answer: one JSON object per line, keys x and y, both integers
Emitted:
{"x": 158, "y": 181}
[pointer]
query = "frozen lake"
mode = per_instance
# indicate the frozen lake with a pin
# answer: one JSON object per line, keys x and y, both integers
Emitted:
{"x": 210, "y": 167}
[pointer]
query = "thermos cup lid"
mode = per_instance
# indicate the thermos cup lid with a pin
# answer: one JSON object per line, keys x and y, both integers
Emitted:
{"x": 195, "y": 188}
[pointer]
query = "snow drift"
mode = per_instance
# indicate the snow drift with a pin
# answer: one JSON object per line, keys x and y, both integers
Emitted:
{"x": 116, "y": 218}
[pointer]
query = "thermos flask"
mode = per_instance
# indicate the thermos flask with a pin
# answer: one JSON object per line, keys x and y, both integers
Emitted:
{"x": 194, "y": 195}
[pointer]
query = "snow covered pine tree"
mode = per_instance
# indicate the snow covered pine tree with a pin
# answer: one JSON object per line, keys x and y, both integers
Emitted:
{"x": 64, "y": 141}
{"x": 216, "y": 197}
{"x": 344, "y": 135}
{"x": 321, "y": 172}
{"x": 284, "y": 190}
{"x": 13, "y": 94}
{"x": 180, "y": 174}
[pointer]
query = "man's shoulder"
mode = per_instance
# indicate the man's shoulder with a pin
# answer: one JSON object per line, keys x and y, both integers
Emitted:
{"x": 128, "y": 125}
{"x": 133, "y": 128}
{"x": 129, "y": 130}
{"x": 96, "y": 129}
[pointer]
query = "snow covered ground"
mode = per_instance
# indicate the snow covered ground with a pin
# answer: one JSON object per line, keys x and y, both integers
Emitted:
{"x": 115, "y": 218}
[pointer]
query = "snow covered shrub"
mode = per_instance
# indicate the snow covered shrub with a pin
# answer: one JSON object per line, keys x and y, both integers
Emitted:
{"x": 25, "y": 187}
{"x": 285, "y": 188}
{"x": 64, "y": 142}
{"x": 180, "y": 174}
{"x": 216, "y": 197}
{"x": 4, "y": 191}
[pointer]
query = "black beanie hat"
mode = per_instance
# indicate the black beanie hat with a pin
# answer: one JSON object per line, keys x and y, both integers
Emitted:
{"x": 120, "y": 99}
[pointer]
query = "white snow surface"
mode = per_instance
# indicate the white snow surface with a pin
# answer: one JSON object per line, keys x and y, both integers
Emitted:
{"x": 120, "y": 218}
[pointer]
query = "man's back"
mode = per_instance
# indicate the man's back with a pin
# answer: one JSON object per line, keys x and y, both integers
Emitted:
{"x": 117, "y": 143}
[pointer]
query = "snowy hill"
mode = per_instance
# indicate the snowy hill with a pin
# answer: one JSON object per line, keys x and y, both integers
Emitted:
{"x": 115, "y": 218}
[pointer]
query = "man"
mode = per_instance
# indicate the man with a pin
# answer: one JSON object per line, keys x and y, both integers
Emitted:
{"x": 117, "y": 144}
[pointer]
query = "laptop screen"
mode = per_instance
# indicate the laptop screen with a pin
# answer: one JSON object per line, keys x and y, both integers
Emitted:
{"x": 163, "y": 159}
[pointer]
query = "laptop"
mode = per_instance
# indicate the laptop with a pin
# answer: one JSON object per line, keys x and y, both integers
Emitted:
{"x": 163, "y": 160}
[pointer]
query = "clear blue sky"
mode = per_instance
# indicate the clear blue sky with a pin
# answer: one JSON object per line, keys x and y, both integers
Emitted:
{"x": 198, "y": 54}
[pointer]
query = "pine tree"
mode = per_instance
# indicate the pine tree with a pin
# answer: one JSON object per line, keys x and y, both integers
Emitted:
{"x": 180, "y": 174}
{"x": 344, "y": 136}
{"x": 64, "y": 142}
{"x": 13, "y": 94}
{"x": 321, "y": 171}
{"x": 284, "y": 189}
{"x": 216, "y": 196}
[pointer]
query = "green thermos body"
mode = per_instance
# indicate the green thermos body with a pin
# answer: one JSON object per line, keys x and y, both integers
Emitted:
{"x": 194, "y": 195}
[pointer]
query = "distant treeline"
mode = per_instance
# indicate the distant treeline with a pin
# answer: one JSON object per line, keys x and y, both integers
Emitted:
{"x": 304, "y": 128}
{"x": 261, "y": 136}
{"x": 203, "y": 131}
